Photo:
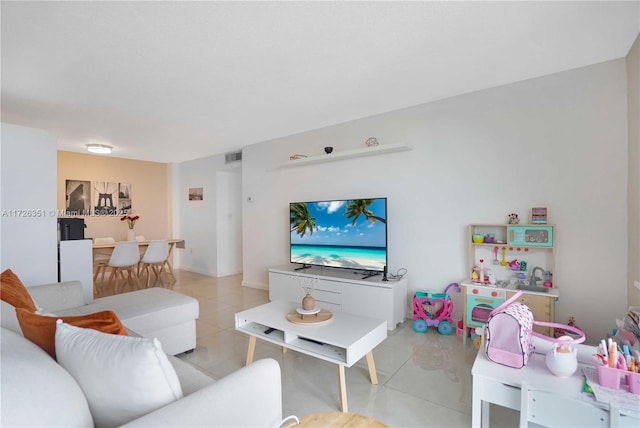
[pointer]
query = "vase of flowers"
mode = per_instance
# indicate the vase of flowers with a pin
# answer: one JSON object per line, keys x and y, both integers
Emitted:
{"x": 131, "y": 222}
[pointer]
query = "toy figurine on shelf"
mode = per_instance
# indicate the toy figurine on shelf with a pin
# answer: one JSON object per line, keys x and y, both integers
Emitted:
{"x": 513, "y": 218}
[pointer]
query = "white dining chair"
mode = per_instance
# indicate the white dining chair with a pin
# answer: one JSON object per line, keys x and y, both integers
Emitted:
{"x": 100, "y": 260}
{"x": 154, "y": 259}
{"x": 125, "y": 258}
{"x": 140, "y": 238}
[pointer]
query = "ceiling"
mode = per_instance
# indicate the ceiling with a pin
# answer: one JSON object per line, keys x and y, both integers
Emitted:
{"x": 174, "y": 81}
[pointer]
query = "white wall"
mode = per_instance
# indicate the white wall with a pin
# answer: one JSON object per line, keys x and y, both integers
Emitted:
{"x": 229, "y": 224}
{"x": 28, "y": 182}
{"x": 558, "y": 141}
{"x": 207, "y": 226}
{"x": 633, "y": 98}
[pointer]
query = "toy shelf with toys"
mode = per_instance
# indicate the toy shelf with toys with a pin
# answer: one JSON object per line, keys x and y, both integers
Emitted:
{"x": 506, "y": 258}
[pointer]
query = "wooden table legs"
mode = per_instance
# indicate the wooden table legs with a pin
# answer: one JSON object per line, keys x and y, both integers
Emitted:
{"x": 252, "y": 349}
{"x": 372, "y": 368}
{"x": 168, "y": 262}
{"x": 342, "y": 385}
{"x": 342, "y": 389}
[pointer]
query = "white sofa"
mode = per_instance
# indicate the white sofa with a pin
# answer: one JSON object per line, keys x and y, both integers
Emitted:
{"x": 37, "y": 391}
{"x": 152, "y": 312}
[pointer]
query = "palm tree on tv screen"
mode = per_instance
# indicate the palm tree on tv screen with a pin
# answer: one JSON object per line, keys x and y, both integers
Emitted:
{"x": 357, "y": 207}
{"x": 301, "y": 220}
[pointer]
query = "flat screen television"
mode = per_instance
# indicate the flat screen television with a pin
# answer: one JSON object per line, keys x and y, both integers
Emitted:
{"x": 348, "y": 233}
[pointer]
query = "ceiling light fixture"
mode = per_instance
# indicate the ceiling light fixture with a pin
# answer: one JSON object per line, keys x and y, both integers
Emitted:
{"x": 102, "y": 149}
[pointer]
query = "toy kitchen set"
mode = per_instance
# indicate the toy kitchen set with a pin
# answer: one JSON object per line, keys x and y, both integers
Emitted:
{"x": 504, "y": 259}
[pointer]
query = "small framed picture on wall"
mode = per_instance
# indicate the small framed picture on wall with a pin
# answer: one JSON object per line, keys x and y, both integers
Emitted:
{"x": 195, "y": 193}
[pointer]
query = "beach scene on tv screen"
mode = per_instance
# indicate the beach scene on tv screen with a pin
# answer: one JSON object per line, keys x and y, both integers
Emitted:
{"x": 346, "y": 233}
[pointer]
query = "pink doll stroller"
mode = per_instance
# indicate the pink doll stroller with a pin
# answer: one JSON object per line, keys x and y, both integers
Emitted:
{"x": 434, "y": 309}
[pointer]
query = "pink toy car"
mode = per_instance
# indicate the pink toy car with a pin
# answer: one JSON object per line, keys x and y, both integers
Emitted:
{"x": 434, "y": 309}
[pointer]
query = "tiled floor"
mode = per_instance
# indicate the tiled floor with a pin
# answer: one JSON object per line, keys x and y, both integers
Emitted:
{"x": 424, "y": 379}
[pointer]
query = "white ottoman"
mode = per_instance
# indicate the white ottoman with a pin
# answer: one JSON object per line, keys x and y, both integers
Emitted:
{"x": 152, "y": 312}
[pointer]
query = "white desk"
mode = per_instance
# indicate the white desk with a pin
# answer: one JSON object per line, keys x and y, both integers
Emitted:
{"x": 498, "y": 384}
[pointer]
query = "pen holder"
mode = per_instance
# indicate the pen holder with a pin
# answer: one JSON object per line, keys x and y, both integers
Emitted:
{"x": 633, "y": 382}
{"x": 608, "y": 376}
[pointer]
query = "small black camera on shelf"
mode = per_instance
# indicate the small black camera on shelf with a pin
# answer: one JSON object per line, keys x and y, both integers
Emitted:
{"x": 328, "y": 149}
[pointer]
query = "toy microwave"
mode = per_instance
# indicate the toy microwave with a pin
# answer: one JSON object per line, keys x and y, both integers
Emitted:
{"x": 530, "y": 236}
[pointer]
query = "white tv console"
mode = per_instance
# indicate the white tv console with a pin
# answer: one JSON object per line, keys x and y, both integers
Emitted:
{"x": 343, "y": 290}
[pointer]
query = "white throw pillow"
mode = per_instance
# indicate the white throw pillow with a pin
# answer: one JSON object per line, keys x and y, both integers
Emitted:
{"x": 122, "y": 377}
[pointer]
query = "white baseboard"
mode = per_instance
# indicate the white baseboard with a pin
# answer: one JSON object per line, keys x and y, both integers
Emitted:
{"x": 220, "y": 275}
{"x": 208, "y": 273}
{"x": 195, "y": 270}
{"x": 257, "y": 285}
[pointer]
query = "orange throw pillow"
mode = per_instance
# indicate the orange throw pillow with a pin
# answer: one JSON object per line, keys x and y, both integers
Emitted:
{"x": 41, "y": 329}
{"x": 13, "y": 291}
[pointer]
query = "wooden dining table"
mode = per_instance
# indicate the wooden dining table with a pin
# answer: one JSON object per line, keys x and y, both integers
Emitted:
{"x": 108, "y": 248}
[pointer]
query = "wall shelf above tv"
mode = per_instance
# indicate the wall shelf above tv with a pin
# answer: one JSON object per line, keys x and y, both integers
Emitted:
{"x": 347, "y": 154}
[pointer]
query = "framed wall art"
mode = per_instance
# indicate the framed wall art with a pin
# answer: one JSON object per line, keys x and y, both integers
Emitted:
{"x": 195, "y": 194}
{"x": 124, "y": 198}
{"x": 77, "y": 197}
{"x": 105, "y": 198}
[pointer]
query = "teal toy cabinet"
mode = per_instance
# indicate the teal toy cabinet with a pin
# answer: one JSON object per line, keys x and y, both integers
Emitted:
{"x": 530, "y": 235}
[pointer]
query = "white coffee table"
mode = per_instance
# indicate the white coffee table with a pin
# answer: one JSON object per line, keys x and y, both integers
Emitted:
{"x": 343, "y": 340}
